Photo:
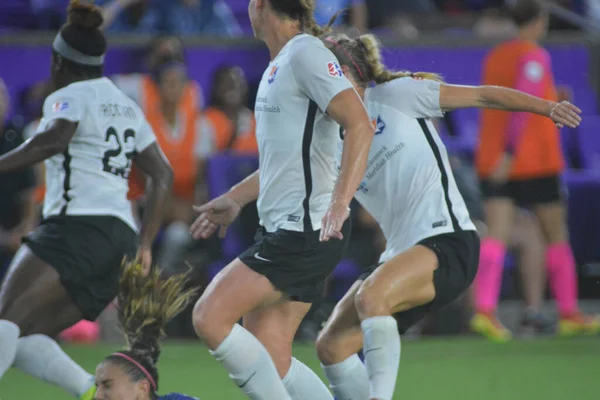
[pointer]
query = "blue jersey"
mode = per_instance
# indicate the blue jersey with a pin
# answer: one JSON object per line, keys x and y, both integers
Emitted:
{"x": 176, "y": 396}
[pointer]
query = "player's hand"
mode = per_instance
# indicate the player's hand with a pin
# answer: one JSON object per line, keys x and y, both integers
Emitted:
{"x": 333, "y": 221}
{"x": 565, "y": 114}
{"x": 502, "y": 170}
{"x": 144, "y": 256}
{"x": 217, "y": 213}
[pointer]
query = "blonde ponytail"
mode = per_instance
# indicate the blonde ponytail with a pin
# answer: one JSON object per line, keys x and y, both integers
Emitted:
{"x": 378, "y": 72}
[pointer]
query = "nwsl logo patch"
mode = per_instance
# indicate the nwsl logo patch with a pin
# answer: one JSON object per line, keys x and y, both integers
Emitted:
{"x": 60, "y": 106}
{"x": 273, "y": 74}
{"x": 334, "y": 69}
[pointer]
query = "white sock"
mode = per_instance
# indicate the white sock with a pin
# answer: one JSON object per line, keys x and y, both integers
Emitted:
{"x": 250, "y": 366}
{"x": 302, "y": 383}
{"x": 9, "y": 334}
{"x": 382, "y": 355}
{"x": 348, "y": 379}
{"x": 42, "y": 358}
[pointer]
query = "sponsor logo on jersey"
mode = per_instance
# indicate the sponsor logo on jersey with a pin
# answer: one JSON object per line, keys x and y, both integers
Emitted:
{"x": 334, "y": 69}
{"x": 273, "y": 74}
{"x": 378, "y": 124}
{"x": 293, "y": 218}
{"x": 60, "y": 106}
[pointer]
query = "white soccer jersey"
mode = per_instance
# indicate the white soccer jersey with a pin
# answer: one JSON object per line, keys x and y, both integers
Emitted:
{"x": 408, "y": 187}
{"x": 297, "y": 141}
{"x": 90, "y": 176}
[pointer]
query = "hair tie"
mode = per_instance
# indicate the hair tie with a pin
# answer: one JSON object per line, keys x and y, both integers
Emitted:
{"x": 141, "y": 368}
{"x": 349, "y": 56}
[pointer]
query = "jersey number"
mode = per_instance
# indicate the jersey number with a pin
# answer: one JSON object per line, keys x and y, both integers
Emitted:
{"x": 111, "y": 167}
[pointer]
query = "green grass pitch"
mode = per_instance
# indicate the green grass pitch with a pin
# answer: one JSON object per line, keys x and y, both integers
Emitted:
{"x": 441, "y": 369}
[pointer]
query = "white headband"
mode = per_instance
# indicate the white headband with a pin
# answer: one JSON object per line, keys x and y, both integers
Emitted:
{"x": 71, "y": 54}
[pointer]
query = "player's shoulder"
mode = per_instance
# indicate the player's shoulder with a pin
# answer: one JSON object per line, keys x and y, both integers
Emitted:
{"x": 400, "y": 88}
{"x": 305, "y": 46}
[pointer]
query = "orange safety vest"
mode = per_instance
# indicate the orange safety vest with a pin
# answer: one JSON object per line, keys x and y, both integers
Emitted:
{"x": 244, "y": 142}
{"x": 538, "y": 152}
{"x": 179, "y": 150}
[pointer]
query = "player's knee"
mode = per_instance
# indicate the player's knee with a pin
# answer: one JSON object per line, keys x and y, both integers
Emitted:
{"x": 208, "y": 326}
{"x": 329, "y": 348}
{"x": 370, "y": 302}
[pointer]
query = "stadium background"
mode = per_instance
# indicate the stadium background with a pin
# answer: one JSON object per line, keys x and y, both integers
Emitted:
{"x": 448, "y": 37}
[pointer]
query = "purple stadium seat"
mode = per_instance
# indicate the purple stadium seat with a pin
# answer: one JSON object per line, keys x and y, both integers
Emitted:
{"x": 584, "y": 214}
{"x": 588, "y": 137}
{"x": 224, "y": 171}
{"x": 344, "y": 275}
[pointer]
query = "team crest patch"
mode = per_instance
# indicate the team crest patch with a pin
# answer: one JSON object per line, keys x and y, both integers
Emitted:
{"x": 273, "y": 74}
{"x": 378, "y": 124}
{"x": 60, "y": 106}
{"x": 334, "y": 69}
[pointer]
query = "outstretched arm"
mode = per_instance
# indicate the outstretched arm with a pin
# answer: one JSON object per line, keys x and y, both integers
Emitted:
{"x": 453, "y": 97}
{"x": 52, "y": 141}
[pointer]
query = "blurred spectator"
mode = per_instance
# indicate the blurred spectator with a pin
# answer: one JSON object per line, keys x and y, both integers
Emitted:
{"x": 228, "y": 125}
{"x": 383, "y": 13}
{"x": 198, "y": 17}
{"x": 355, "y": 12}
{"x": 227, "y": 122}
{"x": 129, "y": 16}
{"x": 173, "y": 115}
{"x": 137, "y": 85}
{"x": 17, "y": 207}
{"x": 494, "y": 24}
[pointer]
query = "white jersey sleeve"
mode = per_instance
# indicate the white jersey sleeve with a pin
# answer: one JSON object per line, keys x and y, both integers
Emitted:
{"x": 417, "y": 98}
{"x": 318, "y": 74}
{"x": 145, "y": 137}
{"x": 67, "y": 103}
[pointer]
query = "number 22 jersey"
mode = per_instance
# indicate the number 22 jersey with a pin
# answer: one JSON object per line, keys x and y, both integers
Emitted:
{"x": 90, "y": 176}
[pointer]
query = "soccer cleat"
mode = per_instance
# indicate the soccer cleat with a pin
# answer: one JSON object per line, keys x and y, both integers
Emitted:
{"x": 578, "y": 324}
{"x": 490, "y": 327}
{"x": 89, "y": 395}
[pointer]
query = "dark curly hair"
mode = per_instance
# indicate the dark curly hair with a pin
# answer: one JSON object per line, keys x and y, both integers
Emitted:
{"x": 82, "y": 32}
{"x": 146, "y": 304}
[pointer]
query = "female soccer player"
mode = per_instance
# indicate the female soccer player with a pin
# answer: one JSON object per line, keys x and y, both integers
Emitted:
{"x": 68, "y": 268}
{"x": 519, "y": 162}
{"x": 302, "y": 98}
{"x": 432, "y": 248}
{"x": 146, "y": 304}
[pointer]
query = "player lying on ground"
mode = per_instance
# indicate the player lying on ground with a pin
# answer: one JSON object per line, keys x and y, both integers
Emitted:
{"x": 146, "y": 304}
